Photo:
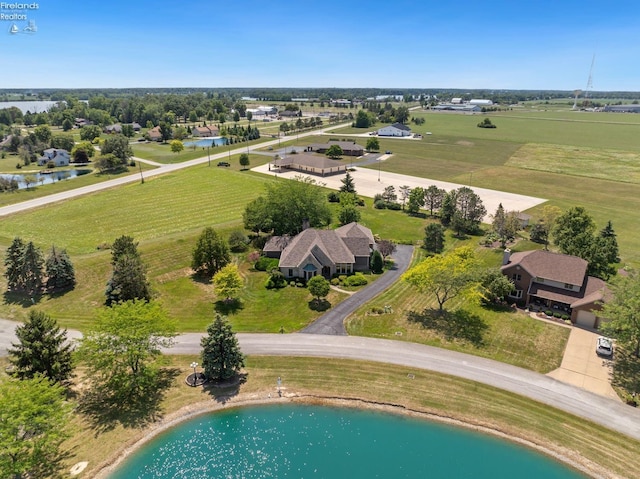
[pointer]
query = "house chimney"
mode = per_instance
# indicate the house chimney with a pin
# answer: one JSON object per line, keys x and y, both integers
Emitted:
{"x": 505, "y": 256}
{"x": 305, "y": 224}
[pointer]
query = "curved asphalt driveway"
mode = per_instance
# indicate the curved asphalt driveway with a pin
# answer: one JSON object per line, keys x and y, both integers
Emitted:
{"x": 332, "y": 322}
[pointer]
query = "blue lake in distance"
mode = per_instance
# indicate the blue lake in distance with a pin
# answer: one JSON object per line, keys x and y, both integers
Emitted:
{"x": 300, "y": 441}
{"x": 204, "y": 142}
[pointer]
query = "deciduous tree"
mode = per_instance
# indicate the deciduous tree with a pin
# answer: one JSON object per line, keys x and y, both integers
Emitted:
{"x": 176, "y": 146}
{"x": 433, "y": 198}
{"x": 318, "y": 287}
{"x": 211, "y": 253}
{"x": 227, "y": 282}
{"x": 447, "y": 277}
{"x": 334, "y": 152}
{"x": 623, "y": 312}
{"x": 244, "y": 161}
{"x": 373, "y": 144}
{"x": 416, "y": 200}
{"x": 33, "y": 424}
{"x": 386, "y": 248}
{"x": 288, "y": 205}
{"x": 117, "y": 145}
{"x": 121, "y": 348}
{"x": 221, "y": 355}
{"x": 42, "y": 348}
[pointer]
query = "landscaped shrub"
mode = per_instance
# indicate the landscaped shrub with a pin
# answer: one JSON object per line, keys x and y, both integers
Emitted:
{"x": 390, "y": 205}
{"x": 548, "y": 313}
{"x": 377, "y": 310}
{"x": 238, "y": 241}
{"x": 253, "y": 256}
{"x": 379, "y": 204}
{"x": 357, "y": 279}
{"x": 266, "y": 264}
{"x": 557, "y": 315}
{"x": 342, "y": 277}
{"x": 335, "y": 281}
{"x": 565, "y": 317}
{"x": 276, "y": 280}
{"x": 333, "y": 197}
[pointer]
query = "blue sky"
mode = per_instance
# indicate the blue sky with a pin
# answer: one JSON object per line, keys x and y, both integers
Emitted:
{"x": 308, "y": 43}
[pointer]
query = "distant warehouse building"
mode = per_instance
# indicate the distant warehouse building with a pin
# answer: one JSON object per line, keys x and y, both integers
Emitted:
{"x": 623, "y": 108}
{"x": 479, "y": 102}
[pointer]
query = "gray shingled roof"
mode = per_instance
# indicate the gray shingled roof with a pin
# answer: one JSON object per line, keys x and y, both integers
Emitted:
{"x": 317, "y": 243}
{"x": 311, "y": 161}
{"x": 355, "y": 230}
{"x": 400, "y": 126}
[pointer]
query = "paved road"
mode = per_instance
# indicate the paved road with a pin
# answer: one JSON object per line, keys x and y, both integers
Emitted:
{"x": 599, "y": 409}
{"x": 332, "y": 322}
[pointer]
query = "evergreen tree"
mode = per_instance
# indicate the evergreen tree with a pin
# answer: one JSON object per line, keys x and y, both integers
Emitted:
{"x": 128, "y": 281}
{"x": 348, "y": 185}
{"x": 31, "y": 277}
{"x": 434, "y": 238}
{"x": 377, "y": 263}
{"x": 211, "y": 253}
{"x": 42, "y": 349}
{"x": 221, "y": 355}
{"x": 59, "y": 270}
{"x": 610, "y": 243}
{"x": 13, "y": 264}
{"x": 122, "y": 246}
{"x": 499, "y": 224}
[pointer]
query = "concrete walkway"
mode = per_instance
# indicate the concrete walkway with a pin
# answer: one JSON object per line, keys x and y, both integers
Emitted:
{"x": 582, "y": 367}
{"x": 332, "y": 322}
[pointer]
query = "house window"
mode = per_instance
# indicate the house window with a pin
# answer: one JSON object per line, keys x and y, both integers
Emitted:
{"x": 343, "y": 268}
{"x": 568, "y": 286}
{"x": 290, "y": 273}
{"x": 516, "y": 294}
{"x": 517, "y": 277}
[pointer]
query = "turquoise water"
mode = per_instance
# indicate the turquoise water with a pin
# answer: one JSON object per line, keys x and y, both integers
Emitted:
{"x": 218, "y": 140}
{"x": 319, "y": 442}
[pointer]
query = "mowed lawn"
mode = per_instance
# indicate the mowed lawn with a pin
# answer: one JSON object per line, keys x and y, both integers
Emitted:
{"x": 500, "y": 334}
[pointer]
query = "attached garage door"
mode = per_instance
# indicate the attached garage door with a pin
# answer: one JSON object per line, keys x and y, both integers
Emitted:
{"x": 586, "y": 319}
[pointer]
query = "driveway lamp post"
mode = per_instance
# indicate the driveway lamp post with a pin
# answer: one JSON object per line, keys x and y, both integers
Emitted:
{"x": 379, "y": 168}
{"x": 194, "y": 365}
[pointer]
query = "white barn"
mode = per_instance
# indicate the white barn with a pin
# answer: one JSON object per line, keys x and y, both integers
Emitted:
{"x": 480, "y": 102}
{"x": 397, "y": 129}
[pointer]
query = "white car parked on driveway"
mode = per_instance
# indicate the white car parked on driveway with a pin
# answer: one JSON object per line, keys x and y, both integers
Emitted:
{"x": 604, "y": 347}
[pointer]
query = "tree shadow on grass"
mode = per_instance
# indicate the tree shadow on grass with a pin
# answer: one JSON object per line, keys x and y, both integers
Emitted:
{"x": 319, "y": 305}
{"x": 105, "y": 408}
{"x": 228, "y": 307}
{"x": 626, "y": 370}
{"x": 458, "y": 324}
{"x": 21, "y": 299}
{"x": 223, "y": 391}
{"x": 201, "y": 278}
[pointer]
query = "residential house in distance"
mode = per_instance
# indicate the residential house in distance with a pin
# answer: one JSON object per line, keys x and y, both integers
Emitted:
{"x": 344, "y": 250}
{"x": 154, "y": 134}
{"x": 204, "y": 131}
{"x": 113, "y": 129}
{"x": 397, "y": 129}
{"x": 58, "y": 156}
{"x": 80, "y": 122}
{"x": 349, "y": 148}
{"x": 557, "y": 282}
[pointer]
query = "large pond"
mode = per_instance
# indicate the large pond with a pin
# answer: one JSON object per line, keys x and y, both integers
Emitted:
{"x": 293, "y": 441}
{"x": 45, "y": 178}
